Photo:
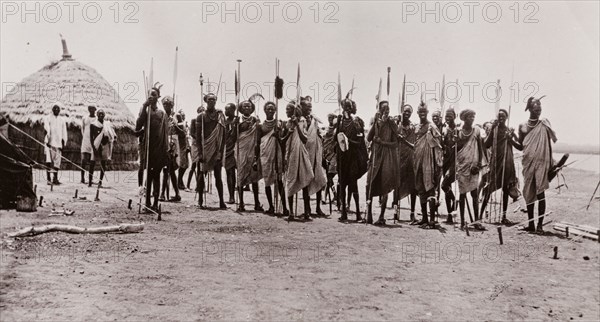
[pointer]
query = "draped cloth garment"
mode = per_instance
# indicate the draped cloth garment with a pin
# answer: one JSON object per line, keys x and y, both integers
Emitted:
{"x": 246, "y": 144}
{"x": 314, "y": 146}
{"x": 537, "y": 159}
{"x": 299, "y": 172}
{"x": 271, "y": 157}
{"x": 466, "y": 159}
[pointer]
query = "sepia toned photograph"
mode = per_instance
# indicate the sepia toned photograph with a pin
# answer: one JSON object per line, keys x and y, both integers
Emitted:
{"x": 300, "y": 160}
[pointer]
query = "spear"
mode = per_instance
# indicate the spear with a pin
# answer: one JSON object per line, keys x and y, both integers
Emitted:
{"x": 297, "y": 105}
{"x": 492, "y": 178}
{"x": 389, "y": 69}
{"x": 147, "y": 127}
{"x": 378, "y": 95}
{"x": 145, "y": 136}
{"x": 201, "y": 163}
{"x": 278, "y": 94}
{"x": 175, "y": 74}
{"x": 370, "y": 184}
{"x": 401, "y": 100}
{"x": 443, "y": 95}
{"x": 512, "y": 78}
{"x": 298, "y": 86}
{"x": 337, "y": 131}
{"x": 219, "y": 85}
{"x": 338, "y": 155}
{"x": 592, "y": 198}
{"x": 339, "y": 96}
{"x": 237, "y": 115}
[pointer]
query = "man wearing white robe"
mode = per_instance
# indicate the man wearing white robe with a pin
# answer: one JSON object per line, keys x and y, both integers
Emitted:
{"x": 56, "y": 139}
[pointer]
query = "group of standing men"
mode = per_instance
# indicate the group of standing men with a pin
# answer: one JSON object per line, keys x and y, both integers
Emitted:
{"x": 97, "y": 139}
{"x": 400, "y": 157}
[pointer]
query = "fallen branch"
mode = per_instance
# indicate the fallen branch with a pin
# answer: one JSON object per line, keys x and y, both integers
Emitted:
{"x": 122, "y": 228}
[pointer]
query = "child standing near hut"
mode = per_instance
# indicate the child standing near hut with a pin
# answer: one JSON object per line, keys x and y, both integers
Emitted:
{"x": 86, "y": 143}
{"x": 55, "y": 140}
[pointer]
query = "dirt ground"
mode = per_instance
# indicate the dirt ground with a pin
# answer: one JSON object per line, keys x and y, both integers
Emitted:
{"x": 222, "y": 265}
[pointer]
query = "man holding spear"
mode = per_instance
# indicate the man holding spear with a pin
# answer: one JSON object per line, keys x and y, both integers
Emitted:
{"x": 536, "y": 135}
{"x": 383, "y": 169}
{"x": 502, "y": 174}
{"x": 248, "y": 149}
{"x": 428, "y": 163}
{"x": 406, "y": 129}
{"x": 271, "y": 158}
{"x": 314, "y": 146}
{"x": 297, "y": 166}
{"x": 210, "y": 129}
{"x": 352, "y": 155}
{"x": 154, "y": 123}
{"x": 230, "y": 129}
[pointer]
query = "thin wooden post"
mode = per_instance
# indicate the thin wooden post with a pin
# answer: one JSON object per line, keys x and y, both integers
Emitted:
{"x": 500, "y": 235}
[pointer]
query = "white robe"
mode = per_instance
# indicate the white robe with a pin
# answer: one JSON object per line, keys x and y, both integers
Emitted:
{"x": 56, "y": 134}
{"x": 56, "y": 131}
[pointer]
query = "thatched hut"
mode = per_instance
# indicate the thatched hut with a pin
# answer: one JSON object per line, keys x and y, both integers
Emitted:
{"x": 73, "y": 86}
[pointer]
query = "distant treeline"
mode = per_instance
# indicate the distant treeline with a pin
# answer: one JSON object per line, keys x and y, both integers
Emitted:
{"x": 576, "y": 148}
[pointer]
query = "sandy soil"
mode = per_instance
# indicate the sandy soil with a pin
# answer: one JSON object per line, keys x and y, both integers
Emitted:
{"x": 222, "y": 265}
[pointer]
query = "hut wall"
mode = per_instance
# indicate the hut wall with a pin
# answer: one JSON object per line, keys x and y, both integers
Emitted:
{"x": 125, "y": 151}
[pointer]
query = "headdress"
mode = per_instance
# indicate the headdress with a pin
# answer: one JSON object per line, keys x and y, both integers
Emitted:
{"x": 532, "y": 101}
{"x": 464, "y": 114}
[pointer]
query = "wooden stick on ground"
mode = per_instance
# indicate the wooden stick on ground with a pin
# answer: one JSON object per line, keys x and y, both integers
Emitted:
{"x": 122, "y": 228}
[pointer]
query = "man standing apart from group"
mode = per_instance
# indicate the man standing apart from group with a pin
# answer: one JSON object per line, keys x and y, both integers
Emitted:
{"x": 55, "y": 140}
{"x": 536, "y": 135}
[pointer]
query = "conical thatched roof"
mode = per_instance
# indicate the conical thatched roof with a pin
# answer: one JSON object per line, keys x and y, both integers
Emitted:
{"x": 71, "y": 85}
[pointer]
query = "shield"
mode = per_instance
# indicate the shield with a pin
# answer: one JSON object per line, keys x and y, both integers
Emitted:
{"x": 342, "y": 141}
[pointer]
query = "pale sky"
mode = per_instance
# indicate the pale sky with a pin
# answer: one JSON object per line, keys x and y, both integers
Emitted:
{"x": 557, "y": 56}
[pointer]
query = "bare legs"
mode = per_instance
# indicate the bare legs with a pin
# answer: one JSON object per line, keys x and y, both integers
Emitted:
{"x": 541, "y": 211}
{"x": 269, "y": 193}
{"x": 461, "y": 203}
{"x": 218, "y": 183}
